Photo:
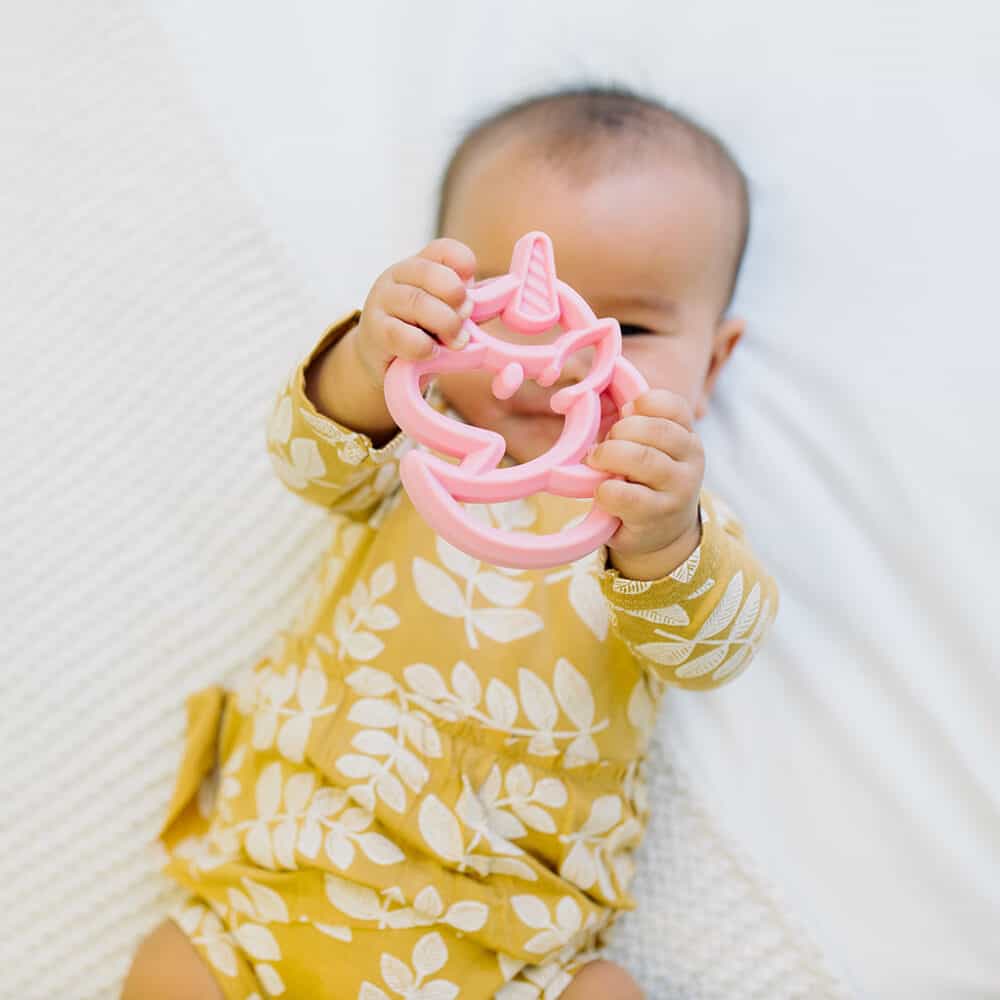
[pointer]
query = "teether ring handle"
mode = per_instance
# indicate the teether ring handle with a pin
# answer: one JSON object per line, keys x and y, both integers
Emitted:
{"x": 500, "y": 548}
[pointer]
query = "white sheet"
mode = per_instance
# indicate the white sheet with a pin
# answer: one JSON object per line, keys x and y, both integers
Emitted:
{"x": 835, "y": 812}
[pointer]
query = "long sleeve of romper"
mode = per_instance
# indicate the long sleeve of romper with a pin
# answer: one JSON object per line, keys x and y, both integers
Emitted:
{"x": 321, "y": 460}
{"x": 700, "y": 626}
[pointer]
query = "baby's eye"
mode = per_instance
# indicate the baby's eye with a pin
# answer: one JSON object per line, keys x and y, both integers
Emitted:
{"x": 628, "y": 329}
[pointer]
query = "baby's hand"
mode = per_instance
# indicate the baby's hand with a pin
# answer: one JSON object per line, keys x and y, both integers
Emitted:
{"x": 657, "y": 451}
{"x": 419, "y": 297}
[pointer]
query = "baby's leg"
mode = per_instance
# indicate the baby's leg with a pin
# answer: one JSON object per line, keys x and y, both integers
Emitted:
{"x": 167, "y": 966}
{"x": 602, "y": 980}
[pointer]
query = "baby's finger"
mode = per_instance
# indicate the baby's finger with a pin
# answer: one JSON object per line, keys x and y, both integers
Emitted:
{"x": 668, "y": 436}
{"x": 633, "y": 503}
{"x": 418, "y": 307}
{"x": 663, "y": 403}
{"x": 639, "y": 463}
{"x": 452, "y": 254}
{"x": 437, "y": 279}
{"x": 405, "y": 341}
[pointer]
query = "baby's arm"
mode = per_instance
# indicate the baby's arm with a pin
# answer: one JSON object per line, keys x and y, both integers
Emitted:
{"x": 322, "y": 460}
{"x": 700, "y": 626}
{"x": 330, "y": 435}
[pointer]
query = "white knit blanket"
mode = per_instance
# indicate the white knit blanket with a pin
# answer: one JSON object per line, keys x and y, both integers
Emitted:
{"x": 148, "y": 316}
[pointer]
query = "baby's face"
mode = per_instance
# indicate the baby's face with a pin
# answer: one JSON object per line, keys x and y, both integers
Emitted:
{"x": 647, "y": 245}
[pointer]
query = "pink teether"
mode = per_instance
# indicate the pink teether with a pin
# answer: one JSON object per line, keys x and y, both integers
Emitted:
{"x": 530, "y": 299}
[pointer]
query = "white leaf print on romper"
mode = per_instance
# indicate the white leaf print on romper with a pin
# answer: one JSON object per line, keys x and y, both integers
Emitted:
{"x": 300, "y": 464}
{"x": 283, "y": 705}
{"x": 738, "y": 663}
{"x": 429, "y": 955}
{"x": 360, "y": 611}
{"x": 429, "y": 690}
{"x": 436, "y": 588}
{"x": 483, "y": 810}
{"x": 397, "y": 724}
{"x": 533, "y": 912}
{"x": 312, "y": 817}
{"x": 442, "y": 831}
{"x": 732, "y": 653}
{"x": 389, "y": 910}
{"x": 205, "y": 928}
{"x": 601, "y": 844}
{"x": 537, "y": 982}
{"x": 585, "y": 595}
{"x": 297, "y": 461}
{"x": 257, "y": 906}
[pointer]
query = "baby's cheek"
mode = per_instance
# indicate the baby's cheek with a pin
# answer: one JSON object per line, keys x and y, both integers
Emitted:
{"x": 663, "y": 362}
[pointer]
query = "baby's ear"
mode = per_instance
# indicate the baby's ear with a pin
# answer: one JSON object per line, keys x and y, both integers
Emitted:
{"x": 727, "y": 335}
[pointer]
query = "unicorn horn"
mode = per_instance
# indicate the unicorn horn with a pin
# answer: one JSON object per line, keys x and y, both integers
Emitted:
{"x": 535, "y": 304}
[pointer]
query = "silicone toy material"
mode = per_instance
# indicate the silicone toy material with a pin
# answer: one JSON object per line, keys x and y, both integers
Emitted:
{"x": 529, "y": 299}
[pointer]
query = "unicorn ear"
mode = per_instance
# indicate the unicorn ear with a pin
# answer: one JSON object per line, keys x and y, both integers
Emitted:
{"x": 535, "y": 304}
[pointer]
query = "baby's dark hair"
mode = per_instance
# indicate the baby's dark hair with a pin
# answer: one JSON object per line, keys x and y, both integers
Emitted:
{"x": 574, "y": 126}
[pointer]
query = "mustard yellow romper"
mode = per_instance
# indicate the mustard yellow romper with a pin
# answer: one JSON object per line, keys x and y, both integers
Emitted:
{"x": 431, "y": 786}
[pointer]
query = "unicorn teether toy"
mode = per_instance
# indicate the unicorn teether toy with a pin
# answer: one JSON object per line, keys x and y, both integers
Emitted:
{"x": 529, "y": 299}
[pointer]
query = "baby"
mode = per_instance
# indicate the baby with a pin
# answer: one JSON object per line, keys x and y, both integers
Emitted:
{"x": 431, "y": 786}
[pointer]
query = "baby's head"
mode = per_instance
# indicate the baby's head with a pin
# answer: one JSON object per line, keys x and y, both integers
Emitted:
{"x": 648, "y": 215}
